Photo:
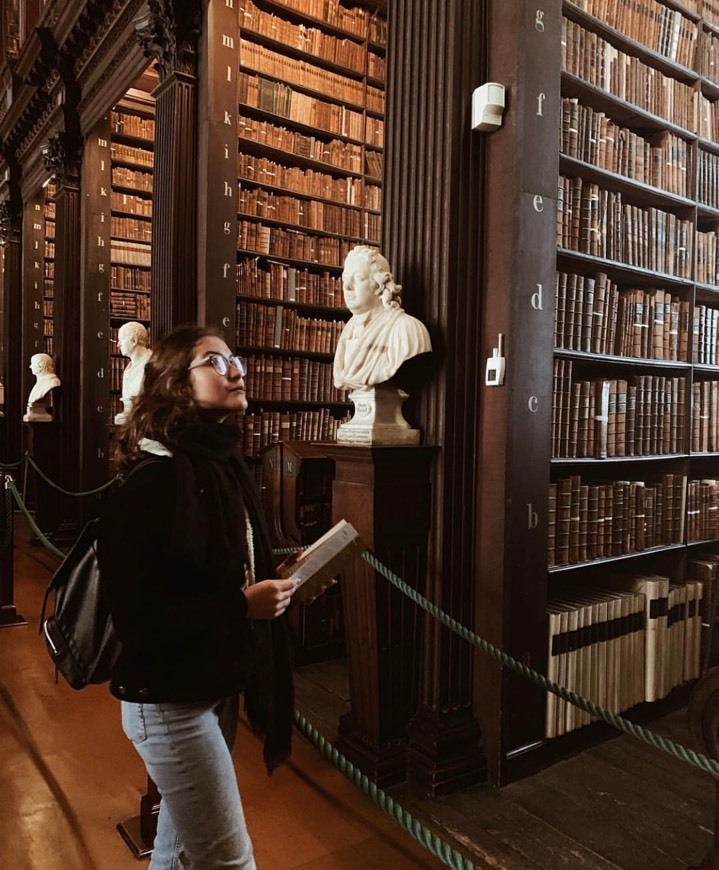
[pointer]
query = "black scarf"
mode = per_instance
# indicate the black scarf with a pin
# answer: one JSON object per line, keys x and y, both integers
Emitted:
{"x": 211, "y": 531}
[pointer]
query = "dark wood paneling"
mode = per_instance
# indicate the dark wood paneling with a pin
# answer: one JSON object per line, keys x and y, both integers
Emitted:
{"x": 218, "y": 188}
{"x": 10, "y": 428}
{"x": 433, "y": 184}
{"x": 174, "y": 204}
{"x": 33, "y": 251}
{"x": 95, "y": 346}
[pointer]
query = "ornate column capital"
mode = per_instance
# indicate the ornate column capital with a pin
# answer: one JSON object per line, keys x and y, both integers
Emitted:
{"x": 62, "y": 155}
{"x": 168, "y": 33}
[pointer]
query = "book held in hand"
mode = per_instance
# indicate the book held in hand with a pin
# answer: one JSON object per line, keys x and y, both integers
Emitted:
{"x": 320, "y": 563}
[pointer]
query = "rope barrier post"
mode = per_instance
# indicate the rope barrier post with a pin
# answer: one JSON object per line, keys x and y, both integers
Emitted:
{"x": 9, "y": 615}
{"x": 43, "y": 447}
{"x": 139, "y": 831}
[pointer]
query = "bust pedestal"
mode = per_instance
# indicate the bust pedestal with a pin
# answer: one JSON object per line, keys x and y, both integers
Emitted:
{"x": 385, "y": 493}
{"x": 378, "y": 418}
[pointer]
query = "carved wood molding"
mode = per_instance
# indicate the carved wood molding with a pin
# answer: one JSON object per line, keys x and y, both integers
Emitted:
{"x": 62, "y": 156}
{"x": 116, "y": 19}
{"x": 168, "y": 32}
{"x": 10, "y": 220}
{"x": 109, "y": 72}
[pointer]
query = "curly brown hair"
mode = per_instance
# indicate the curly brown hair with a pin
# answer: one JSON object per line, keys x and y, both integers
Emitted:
{"x": 165, "y": 405}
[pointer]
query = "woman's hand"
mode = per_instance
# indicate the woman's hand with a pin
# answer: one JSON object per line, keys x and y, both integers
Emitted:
{"x": 268, "y": 598}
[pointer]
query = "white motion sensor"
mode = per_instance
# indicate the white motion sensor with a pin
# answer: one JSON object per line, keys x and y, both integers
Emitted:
{"x": 487, "y": 107}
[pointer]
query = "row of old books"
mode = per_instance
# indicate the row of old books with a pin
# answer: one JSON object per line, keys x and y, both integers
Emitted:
{"x": 351, "y": 191}
{"x": 708, "y": 55}
{"x": 49, "y": 208}
{"x": 289, "y": 243}
{"x": 47, "y": 307}
{"x": 707, "y": 118}
{"x": 130, "y": 203}
{"x": 49, "y": 229}
{"x": 703, "y": 510}
{"x": 632, "y": 639}
{"x": 286, "y": 283}
{"x": 596, "y": 221}
{"x": 649, "y": 22}
{"x": 335, "y": 152}
{"x": 282, "y": 100}
{"x": 260, "y": 59}
{"x": 593, "y": 315}
{"x": 343, "y": 52}
{"x": 129, "y": 154}
{"x": 117, "y": 370}
{"x": 309, "y": 213}
{"x": 290, "y": 379}
{"x": 131, "y": 253}
{"x": 268, "y": 427}
{"x": 707, "y": 265}
{"x": 132, "y": 178}
{"x": 706, "y": 335}
{"x": 599, "y": 63}
{"x": 606, "y": 417}
{"x": 130, "y": 228}
{"x": 49, "y": 250}
{"x": 353, "y": 19}
{"x": 133, "y": 125}
{"x": 705, "y": 417}
{"x": 49, "y": 271}
{"x": 589, "y": 521}
{"x": 591, "y": 136}
{"x": 708, "y": 178}
{"x": 704, "y": 566}
{"x": 130, "y": 306}
{"x": 127, "y": 278}
{"x": 276, "y": 326}
{"x": 49, "y": 282}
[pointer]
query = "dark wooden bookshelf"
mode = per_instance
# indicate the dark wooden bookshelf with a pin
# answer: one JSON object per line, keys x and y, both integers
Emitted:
{"x": 284, "y": 121}
{"x": 305, "y": 307}
{"x": 623, "y": 270}
{"x": 606, "y": 560}
{"x": 313, "y": 265}
{"x": 626, "y": 361}
{"x": 254, "y": 146}
{"x": 290, "y": 191}
{"x": 314, "y": 231}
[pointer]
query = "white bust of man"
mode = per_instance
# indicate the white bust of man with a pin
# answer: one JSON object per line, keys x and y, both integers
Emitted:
{"x": 379, "y": 336}
{"x": 133, "y": 342}
{"x": 41, "y": 366}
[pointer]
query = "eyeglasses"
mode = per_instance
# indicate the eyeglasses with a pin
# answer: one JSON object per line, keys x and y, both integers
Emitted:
{"x": 221, "y": 364}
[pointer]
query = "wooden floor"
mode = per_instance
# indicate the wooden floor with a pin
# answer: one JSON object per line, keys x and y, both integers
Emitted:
{"x": 68, "y": 775}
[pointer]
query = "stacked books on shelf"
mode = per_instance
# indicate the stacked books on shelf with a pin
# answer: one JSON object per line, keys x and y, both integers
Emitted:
{"x": 635, "y": 412}
{"x": 310, "y": 137}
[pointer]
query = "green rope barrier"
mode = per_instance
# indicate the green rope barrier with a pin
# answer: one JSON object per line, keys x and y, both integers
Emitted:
{"x": 64, "y": 491}
{"x": 434, "y": 844}
{"x": 13, "y": 464}
{"x": 44, "y": 540}
{"x": 708, "y": 765}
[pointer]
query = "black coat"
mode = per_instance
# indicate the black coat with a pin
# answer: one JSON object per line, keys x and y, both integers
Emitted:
{"x": 184, "y": 628}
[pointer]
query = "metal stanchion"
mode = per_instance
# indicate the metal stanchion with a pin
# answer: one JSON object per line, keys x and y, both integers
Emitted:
{"x": 8, "y": 612}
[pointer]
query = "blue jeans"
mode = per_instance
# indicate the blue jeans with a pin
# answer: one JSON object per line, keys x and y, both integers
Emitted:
{"x": 187, "y": 752}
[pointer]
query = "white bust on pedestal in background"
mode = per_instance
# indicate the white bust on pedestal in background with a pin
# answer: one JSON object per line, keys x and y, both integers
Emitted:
{"x": 133, "y": 342}
{"x": 375, "y": 342}
{"x": 41, "y": 366}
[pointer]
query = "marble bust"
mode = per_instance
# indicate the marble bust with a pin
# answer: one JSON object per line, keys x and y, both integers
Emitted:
{"x": 133, "y": 341}
{"x": 46, "y": 380}
{"x": 378, "y": 338}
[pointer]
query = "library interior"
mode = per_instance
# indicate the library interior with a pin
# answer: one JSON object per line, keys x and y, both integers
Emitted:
{"x": 517, "y": 668}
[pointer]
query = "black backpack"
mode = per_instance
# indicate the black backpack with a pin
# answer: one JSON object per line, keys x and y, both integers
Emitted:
{"x": 79, "y": 634}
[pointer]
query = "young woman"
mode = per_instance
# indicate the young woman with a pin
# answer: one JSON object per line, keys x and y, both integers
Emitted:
{"x": 187, "y": 562}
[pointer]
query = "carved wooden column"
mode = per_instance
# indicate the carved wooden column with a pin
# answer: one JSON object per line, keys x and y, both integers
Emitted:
{"x": 10, "y": 239}
{"x": 385, "y": 493}
{"x": 169, "y": 33}
{"x": 432, "y": 236}
{"x": 62, "y": 157}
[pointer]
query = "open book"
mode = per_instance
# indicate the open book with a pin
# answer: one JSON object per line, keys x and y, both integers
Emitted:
{"x": 322, "y": 561}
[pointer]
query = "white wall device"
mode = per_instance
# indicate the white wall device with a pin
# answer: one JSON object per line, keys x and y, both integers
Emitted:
{"x": 487, "y": 106}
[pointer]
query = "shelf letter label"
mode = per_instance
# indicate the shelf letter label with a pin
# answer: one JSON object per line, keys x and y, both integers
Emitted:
{"x": 532, "y": 518}
{"x": 229, "y": 4}
{"x": 100, "y": 242}
{"x": 227, "y": 41}
{"x": 100, "y": 409}
{"x": 225, "y": 321}
{"x": 540, "y": 102}
{"x": 102, "y": 143}
{"x": 538, "y": 203}
{"x": 37, "y": 305}
{"x": 533, "y": 404}
{"x": 100, "y": 453}
{"x": 103, "y": 191}
{"x": 225, "y": 269}
{"x": 228, "y": 189}
{"x": 99, "y": 296}
{"x": 537, "y": 298}
{"x": 228, "y": 118}
{"x": 101, "y": 334}
{"x": 101, "y": 373}
{"x": 226, "y": 228}
{"x": 227, "y": 151}
{"x": 37, "y": 226}
{"x": 101, "y": 267}
{"x": 229, "y": 73}
{"x": 539, "y": 20}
